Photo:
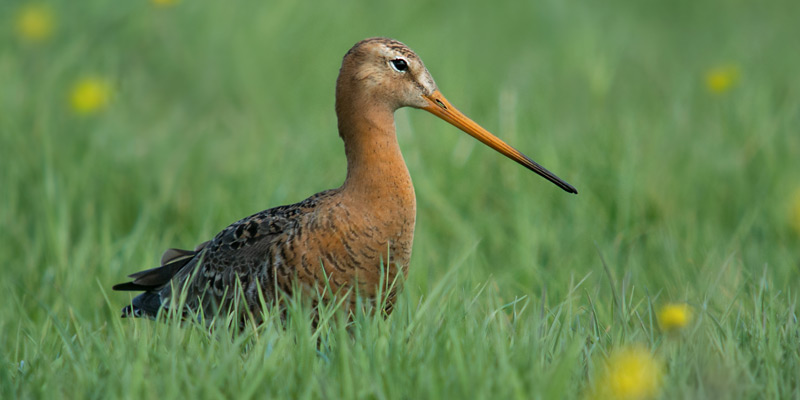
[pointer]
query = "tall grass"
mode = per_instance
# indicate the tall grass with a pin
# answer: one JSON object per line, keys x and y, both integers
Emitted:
{"x": 221, "y": 110}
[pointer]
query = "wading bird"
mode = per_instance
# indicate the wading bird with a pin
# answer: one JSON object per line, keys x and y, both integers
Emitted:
{"x": 353, "y": 238}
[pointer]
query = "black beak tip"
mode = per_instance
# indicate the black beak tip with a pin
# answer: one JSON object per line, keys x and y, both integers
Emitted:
{"x": 571, "y": 189}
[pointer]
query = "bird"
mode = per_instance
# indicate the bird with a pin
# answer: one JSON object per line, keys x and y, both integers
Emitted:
{"x": 355, "y": 238}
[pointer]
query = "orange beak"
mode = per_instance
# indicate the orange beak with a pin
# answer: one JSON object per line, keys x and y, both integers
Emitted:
{"x": 440, "y": 107}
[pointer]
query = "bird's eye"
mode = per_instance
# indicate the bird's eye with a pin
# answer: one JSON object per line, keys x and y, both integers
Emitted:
{"x": 399, "y": 65}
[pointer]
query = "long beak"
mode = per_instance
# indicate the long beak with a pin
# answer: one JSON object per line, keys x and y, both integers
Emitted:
{"x": 440, "y": 107}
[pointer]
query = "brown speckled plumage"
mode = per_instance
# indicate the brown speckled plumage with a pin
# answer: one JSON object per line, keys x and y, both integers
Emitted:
{"x": 344, "y": 235}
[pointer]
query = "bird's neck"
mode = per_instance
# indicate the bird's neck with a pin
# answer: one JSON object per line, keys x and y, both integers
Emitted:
{"x": 376, "y": 170}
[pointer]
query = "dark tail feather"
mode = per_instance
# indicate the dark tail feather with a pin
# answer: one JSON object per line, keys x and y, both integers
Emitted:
{"x": 155, "y": 277}
{"x": 151, "y": 281}
{"x": 173, "y": 261}
{"x": 129, "y": 286}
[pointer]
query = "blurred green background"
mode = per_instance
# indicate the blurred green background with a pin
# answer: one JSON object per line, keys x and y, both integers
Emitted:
{"x": 130, "y": 127}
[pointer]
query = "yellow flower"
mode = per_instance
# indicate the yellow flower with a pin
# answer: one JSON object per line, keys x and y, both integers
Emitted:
{"x": 165, "y": 3}
{"x": 721, "y": 79}
{"x": 631, "y": 373}
{"x": 35, "y": 22}
{"x": 90, "y": 95}
{"x": 794, "y": 211}
{"x": 673, "y": 317}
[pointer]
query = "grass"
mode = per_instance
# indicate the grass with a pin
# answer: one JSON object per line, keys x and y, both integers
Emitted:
{"x": 218, "y": 111}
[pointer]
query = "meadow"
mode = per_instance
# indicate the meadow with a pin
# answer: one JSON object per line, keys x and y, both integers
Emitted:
{"x": 130, "y": 127}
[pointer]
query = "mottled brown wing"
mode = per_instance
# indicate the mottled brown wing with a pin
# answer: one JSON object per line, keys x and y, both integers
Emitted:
{"x": 241, "y": 252}
{"x": 246, "y": 253}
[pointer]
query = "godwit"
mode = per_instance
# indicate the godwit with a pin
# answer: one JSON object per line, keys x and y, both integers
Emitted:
{"x": 344, "y": 236}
